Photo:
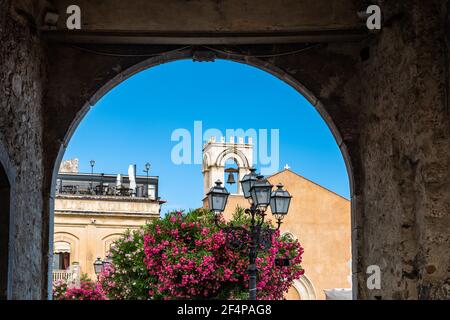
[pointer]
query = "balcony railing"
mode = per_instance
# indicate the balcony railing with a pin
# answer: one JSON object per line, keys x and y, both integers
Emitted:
{"x": 71, "y": 276}
{"x": 63, "y": 275}
{"x": 106, "y": 185}
{"x": 99, "y": 190}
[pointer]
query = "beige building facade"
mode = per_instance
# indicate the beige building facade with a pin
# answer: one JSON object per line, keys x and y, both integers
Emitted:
{"x": 92, "y": 211}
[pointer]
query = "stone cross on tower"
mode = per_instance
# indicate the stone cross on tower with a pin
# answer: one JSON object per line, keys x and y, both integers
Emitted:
{"x": 216, "y": 154}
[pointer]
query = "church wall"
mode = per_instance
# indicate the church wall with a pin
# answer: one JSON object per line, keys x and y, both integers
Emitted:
{"x": 321, "y": 221}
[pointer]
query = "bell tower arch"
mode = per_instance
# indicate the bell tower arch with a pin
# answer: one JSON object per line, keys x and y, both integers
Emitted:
{"x": 217, "y": 153}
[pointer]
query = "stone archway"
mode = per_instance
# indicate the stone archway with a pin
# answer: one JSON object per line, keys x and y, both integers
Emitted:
{"x": 387, "y": 93}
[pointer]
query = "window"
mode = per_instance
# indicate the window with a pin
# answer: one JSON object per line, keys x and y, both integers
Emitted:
{"x": 61, "y": 261}
{"x": 61, "y": 256}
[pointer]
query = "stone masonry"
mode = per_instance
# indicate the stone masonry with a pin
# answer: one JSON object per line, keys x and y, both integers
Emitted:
{"x": 384, "y": 95}
{"x": 22, "y": 85}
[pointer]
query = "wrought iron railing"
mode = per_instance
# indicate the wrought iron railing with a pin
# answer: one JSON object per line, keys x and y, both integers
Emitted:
{"x": 104, "y": 190}
{"x": 63, "y": 275}
{"x": 71, "y": 276}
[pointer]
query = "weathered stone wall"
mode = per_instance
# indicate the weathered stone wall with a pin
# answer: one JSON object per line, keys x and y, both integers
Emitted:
{"x": 404, "y": 205}
{"x": 22, "y": 75}
{"x": 386, "y": 100}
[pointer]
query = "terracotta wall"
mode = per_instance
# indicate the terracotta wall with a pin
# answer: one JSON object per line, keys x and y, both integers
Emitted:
{"x": 321, "y": 220}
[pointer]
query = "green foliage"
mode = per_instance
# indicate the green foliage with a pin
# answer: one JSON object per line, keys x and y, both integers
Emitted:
{"x": 185, "y": 256}
{"x": 128, "y": 277}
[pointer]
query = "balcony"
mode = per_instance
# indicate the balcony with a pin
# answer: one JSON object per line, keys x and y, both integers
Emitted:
{"x": 63, "y": 275}
{"x": 106, "y": 185}
{"x": 71, "y": 276}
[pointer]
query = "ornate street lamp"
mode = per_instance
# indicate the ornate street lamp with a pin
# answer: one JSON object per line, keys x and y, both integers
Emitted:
{"x": 260, "y": 195}
{"x": 98, "y": 266}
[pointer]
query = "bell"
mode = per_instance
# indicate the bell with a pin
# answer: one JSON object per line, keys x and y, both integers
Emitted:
{"x": 230, "y": 179}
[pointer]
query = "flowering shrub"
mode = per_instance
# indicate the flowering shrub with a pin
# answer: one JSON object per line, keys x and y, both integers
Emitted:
{"x": 127, "y": 277}
{"x": 87, "y": 290}
{"x": 185, "y": 256}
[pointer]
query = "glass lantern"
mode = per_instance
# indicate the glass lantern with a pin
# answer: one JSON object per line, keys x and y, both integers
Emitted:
{"x": 247, "y": 182}
{"x": 279, "y": 202}
{"x": 260, "y": 192}
{"x": 217, "y": 198}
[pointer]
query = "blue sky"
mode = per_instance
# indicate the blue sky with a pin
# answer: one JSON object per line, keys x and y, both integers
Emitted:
{"x": 134, "y": 122}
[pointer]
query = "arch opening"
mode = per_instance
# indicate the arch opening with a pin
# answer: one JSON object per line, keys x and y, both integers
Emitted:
{"x": 250, "y": 61}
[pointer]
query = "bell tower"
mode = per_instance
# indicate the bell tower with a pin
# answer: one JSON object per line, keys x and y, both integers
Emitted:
{"x": 216, "y": 154}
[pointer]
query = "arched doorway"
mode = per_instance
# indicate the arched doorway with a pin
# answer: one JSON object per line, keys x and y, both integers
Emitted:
{"x": 303, "y": 289}
{"x": 180, "y": 55}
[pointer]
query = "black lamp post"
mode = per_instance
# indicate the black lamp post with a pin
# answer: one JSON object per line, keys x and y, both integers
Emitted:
{"x": 146, "y": 170}
{"x": 92, "y": 162}
{"x": 259, "y": 192}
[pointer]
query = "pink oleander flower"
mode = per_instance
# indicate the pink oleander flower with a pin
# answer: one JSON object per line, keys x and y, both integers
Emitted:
{"x": 87, "y": 290}
{"x": 185, "y": 256}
